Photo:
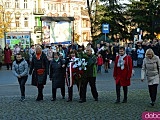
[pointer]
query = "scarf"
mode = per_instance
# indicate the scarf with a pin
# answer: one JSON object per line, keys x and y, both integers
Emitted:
{"x": 121, "y": 62}
{"x": 38, "y": 55}
{"x": 56, "y": 59}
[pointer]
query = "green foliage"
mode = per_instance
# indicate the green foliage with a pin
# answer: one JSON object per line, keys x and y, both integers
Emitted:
{"x": 123, "y": 19}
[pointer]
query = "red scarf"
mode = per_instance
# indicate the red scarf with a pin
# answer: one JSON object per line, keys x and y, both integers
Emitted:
{"x": 38, "y": 55}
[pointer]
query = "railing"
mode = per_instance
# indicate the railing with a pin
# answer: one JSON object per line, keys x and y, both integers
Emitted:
{"x": 38, "y": 11}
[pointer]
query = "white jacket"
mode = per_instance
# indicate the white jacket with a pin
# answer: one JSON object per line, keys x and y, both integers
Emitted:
{"x": 151, "y": 69}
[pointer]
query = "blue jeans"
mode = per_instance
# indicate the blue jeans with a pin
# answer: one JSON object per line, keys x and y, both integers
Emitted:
{"x": 22, "y": 82}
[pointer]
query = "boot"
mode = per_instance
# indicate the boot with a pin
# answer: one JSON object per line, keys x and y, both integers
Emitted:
{"x": 70, "y": 92}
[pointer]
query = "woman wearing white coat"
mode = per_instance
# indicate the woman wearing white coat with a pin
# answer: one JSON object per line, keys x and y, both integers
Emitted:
{"x": 150, "y": 69}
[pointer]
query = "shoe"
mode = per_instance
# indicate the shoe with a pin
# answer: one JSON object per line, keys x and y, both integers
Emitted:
{"x": 63, "y": 97}
{"x": 22, "y": 99}
{"x": 152, "y": 103}
{"x": 96, "y": 99}
{"x": 69, "y": 100}
{"x": 82, "y": 101}
{"x": 117, "y": 101}
{"x": 53, "y": 99}
{"x": 39, "y": 98}
{"x": 124, "y": 101}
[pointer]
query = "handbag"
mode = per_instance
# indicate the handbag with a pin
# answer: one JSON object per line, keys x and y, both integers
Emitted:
{"x": 40, "y": 71}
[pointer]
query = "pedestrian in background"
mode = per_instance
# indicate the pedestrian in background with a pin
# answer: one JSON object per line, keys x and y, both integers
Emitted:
{"x": 150, "y": 69}
{"x": 7, "y": 56}
{"x": 99, "y": 63}
{"x": 1, "y": 56}
{"x": 122, "y": 73}
{"x": 57, "y": 75}
{"x": 49, "y": 55}
{"x": 39, "y": 71}
{"x": 31, "y": 53}
{"x": 20, "y": 70}
{"x": 140, "y": 56}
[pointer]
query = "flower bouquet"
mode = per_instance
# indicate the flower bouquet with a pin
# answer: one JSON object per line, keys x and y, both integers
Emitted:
{"x": 75, "y": 70}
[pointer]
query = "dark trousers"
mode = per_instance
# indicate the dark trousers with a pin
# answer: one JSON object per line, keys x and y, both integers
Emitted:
{"x": 0, "y": 65}
{"x": 153, "y": 92}
{"x": 99, "y": 68}
{"x": 70, "y": 91}
{"x": 54, "y": 90}
{"x": 125, "y": 91}
{"x": 9, "y": 64}
{"x": 40, "y": 91}
{"x": 92, "y": 83}
{"x": 22, "y": 82}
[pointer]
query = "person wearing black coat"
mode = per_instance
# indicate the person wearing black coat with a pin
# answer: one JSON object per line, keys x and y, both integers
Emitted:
{"x": 39, "y": 71}
{"x": 57, "y": 75}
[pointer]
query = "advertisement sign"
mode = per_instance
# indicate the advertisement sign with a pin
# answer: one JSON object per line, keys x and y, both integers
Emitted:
{"x": 22, "y": 37}
{"x": 55, "y": 32}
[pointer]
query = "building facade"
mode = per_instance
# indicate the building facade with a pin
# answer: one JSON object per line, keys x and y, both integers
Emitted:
{"x": 25, "y": 15}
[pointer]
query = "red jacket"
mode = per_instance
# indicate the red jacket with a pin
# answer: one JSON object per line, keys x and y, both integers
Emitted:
{"x": 7, "y": 56}
{"x": 99, "y": 61}
{"x": 123, "y": 76}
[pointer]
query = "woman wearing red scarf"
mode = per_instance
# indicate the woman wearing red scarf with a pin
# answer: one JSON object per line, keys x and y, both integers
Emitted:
{"x": 39, "y": 71}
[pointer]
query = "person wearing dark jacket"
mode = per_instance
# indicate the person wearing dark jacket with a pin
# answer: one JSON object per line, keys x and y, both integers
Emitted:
{"x": 57, "y": 75}
{"x": 20, "y": 70}
{"x": 89, "y": 76}
{"x": 39, "y": 71}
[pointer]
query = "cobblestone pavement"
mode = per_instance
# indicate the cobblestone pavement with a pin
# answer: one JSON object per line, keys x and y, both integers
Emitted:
{"x": 105, "y": 109}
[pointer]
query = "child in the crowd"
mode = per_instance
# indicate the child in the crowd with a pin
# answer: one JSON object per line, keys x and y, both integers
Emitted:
{"x": 99, "y": 62}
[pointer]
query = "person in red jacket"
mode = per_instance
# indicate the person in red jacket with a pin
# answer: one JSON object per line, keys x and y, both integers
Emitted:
{"x": 122, "y": 73}
{"x": 7, "y": 56}
{"x": 99, "y": 63}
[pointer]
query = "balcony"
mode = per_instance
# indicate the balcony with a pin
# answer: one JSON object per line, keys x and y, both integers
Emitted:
{"x": 38, "y": 11}
{"x": 37, "y": 29}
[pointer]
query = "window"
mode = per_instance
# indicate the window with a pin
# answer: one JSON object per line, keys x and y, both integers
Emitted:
{"x": 55, "y": 7}
{"x": 16, "y": 3}
{"x": 17, "y": 22}
{"x": 48, "y": 6}
{"x": 63, "y": 7}
{"x": 25, "y": 4}
{"x": 51, "y": 6}
{"x": 25, "y": 22}
{"x": 7, "y": 4}
{"x": 35, "y": 4}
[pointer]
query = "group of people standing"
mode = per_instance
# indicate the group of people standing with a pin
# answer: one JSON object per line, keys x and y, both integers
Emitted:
{"x": 61, "y": 70}
{"x": 40, "y": 67}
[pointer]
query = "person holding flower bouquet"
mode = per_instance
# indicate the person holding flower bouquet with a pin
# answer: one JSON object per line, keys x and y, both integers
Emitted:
{"x": 89, "y": 75}
{"x": 73, "y": 74}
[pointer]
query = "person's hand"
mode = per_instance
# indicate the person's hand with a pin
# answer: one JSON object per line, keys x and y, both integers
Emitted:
{"x": 63, "y": 65}
{"x": 142, "y": 80}
{"x": 19, "y": 76}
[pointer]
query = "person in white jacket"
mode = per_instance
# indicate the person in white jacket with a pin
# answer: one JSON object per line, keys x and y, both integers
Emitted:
{"x": 150, "y": 69}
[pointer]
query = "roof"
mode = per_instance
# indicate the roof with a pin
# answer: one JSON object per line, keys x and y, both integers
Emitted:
{"x": 46, "y": 18}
